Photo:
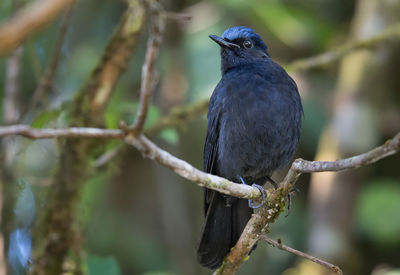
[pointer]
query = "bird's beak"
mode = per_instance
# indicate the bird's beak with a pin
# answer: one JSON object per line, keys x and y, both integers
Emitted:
{"x": 222, "y": 42}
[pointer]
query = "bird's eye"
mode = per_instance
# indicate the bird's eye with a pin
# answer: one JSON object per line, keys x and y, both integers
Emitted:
{"x": 248, "y": 44}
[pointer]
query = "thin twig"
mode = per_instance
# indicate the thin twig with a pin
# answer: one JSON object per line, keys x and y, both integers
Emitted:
{"x": 28, "y": 21}
{"x": 157, "y": 26}
{"x": 300, "y": 166}
{"x": 391, "y": 32}
{"x": 181, "y": 17}
{"x": 316, "y": 260}
{"x": 74, "y": 132}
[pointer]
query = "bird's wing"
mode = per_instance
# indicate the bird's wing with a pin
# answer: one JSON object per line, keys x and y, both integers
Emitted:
{"x": 211, "y": 146}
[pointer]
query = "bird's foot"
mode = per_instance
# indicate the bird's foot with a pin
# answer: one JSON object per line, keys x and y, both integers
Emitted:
{"x": 289, "y": 199}
{"x": 263, "y": 193}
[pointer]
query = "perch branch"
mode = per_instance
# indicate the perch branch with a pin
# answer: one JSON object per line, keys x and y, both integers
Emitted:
{"x": 184, "y": 169}
{"x": 280, "y": 245}
{"x": 28, "y": 21}
{"x": 147, "y": 148}
{"x": 187, "y": 171}
{"x": 258, "y": 223}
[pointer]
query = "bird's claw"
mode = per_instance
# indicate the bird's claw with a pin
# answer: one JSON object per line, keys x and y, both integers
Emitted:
{"x": 264, "y": 197}
{"x": 263, "y": 193}
{"x": 289, "y": 198}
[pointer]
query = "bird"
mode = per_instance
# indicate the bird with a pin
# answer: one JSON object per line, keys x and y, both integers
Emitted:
{"x": 254, "y": 121}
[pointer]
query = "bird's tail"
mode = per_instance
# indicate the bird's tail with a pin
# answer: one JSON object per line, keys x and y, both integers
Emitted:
{"x": 222, "y": 228}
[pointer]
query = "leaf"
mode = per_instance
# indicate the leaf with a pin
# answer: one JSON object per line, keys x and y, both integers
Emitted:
{"x": 45, "y": 117}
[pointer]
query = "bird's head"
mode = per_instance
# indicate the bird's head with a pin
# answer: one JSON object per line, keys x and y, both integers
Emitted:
{"x": 240, "y": 45}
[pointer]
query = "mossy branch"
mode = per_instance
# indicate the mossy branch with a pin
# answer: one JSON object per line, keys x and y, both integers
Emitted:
{"x": 56, "y": 231}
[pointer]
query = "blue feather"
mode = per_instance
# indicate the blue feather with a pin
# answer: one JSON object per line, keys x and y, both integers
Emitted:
{"x": 237, "y": 32}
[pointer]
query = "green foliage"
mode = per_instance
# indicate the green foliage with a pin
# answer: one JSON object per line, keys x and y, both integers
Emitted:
{"x": 377, "y": 211}
{"x": 102, "y": 265}
{"x": 45, "y": 118}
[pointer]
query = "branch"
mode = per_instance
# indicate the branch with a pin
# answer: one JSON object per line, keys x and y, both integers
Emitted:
{"x": 184, "y": 169}
{"x": 157, "y": 26}
{"x": 270, "y": 211}
{"x": 74, "y": 132}
{"x": 187, "y": 171}
{"x": 147, "y": 148}
{"x": 281, "y": 246}
{"x": 259, "y": 221}
{"x": 59, "y": 219}
{"x": 28, "y": 21}
{"x": 114, "y": 61}
{"x": 392, "y": 32}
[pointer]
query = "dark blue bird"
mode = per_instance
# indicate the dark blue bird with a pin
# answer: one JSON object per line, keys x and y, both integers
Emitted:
{"x": 254, "y": 120}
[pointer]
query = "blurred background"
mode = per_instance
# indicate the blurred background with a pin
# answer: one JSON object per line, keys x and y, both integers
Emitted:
{"x": 136, "y": 217}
